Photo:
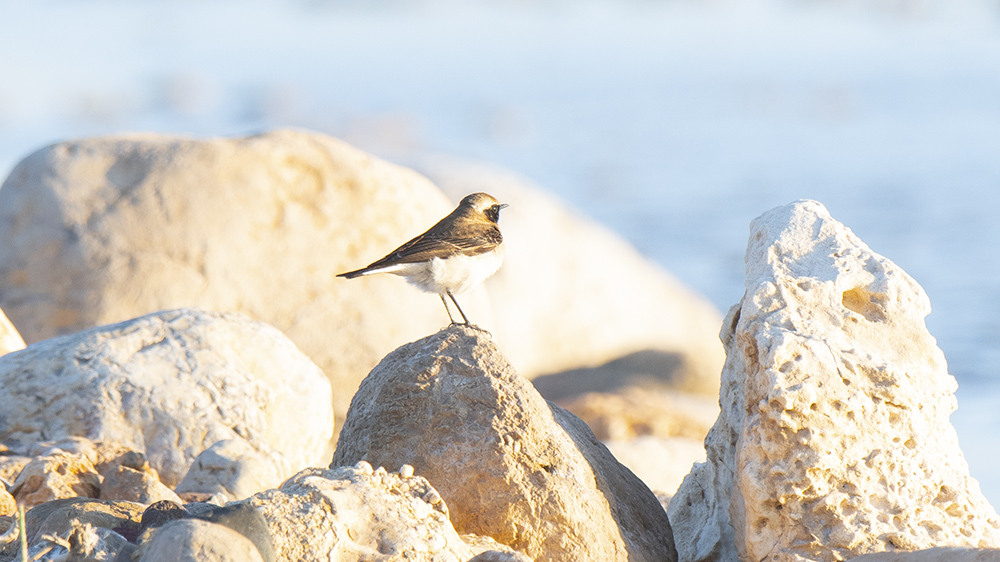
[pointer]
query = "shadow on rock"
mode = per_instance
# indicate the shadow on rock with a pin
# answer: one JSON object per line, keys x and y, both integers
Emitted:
{"x": 648, "y": 369}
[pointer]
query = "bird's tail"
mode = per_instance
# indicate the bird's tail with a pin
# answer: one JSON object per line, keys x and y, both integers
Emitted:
{"x": 355, "y": 273}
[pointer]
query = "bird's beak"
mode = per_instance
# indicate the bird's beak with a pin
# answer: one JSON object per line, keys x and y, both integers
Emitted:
{"x": 503, "y": 206}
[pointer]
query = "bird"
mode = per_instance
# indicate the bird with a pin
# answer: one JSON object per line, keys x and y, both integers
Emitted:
{"x": 459, "y": 252}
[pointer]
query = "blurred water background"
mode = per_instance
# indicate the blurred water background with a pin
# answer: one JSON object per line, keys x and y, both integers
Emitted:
{"x": 675, "y": 122}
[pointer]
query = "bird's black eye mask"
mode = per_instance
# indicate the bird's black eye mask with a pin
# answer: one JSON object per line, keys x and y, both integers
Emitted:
{"x": 493, "y": 213}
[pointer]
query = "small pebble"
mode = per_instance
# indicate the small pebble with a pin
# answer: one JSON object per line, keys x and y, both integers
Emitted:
{"x": 432, "y": 497}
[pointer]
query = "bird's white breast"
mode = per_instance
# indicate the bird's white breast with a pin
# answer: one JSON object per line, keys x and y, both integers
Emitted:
{"x": 455, "y": 274}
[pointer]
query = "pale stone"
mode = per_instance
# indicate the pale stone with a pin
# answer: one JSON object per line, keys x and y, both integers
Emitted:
{"x": 232, "y": 467}
{"x": 358, "y": 514}
{"x": 10, "y": 340}
{"x": 572, "y": 294}
{"x": 833, "y": 440}
{"x": 106, "y": 229}
{"x": 508, "y": 464}
{"x": 135, "y": 485}
{"x": 193, "y": 540}
{"x": 57, "y": 476}
{"x": 172, "y": 384}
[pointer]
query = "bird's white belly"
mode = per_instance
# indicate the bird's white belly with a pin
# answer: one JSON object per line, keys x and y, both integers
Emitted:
{"x": 454, "y": 274}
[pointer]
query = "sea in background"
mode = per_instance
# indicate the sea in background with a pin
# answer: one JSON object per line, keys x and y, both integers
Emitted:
{"x": 674, "y": 122}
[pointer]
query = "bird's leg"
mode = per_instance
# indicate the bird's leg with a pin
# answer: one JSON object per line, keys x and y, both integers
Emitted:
{"x": 458, "y": 307}
{"x": 448, "y": 310}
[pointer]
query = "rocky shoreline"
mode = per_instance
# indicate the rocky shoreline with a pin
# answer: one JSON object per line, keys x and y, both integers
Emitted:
{"x": 191, "y": 361}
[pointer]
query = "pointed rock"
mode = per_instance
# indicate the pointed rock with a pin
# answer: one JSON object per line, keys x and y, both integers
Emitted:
{"x": 833, "y": 440}
{"x": 508, "y": 464}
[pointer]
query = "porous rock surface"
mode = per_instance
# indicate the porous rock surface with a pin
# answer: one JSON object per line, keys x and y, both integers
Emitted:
{"x": 355, "y": 513}
{"x": 508, "y": 464}
{"x": 102, "y": 230}
{"x": 171, "y": 384}
{"x": 55, "y": 477}
{"x": 573, "y": 295}
{"x": 10, "y": 340}
{"x": 833, "y": 440}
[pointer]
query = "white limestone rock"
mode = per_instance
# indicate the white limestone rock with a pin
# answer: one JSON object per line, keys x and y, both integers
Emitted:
{"x": 171, "y": 384}
{"x": 354, "y": 513}
{"x": 834, "y": 439}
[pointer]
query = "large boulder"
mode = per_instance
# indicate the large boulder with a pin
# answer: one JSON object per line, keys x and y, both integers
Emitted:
{"x": 508, "y": 464}
{"x": 172, "y": 384}
{"x": 833, "y": 440}
{"x": 575, "y": 301}
{"x": 102, "y": 230}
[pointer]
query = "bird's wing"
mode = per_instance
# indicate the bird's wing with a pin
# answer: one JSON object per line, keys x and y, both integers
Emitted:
{"x": 441, "y": 245}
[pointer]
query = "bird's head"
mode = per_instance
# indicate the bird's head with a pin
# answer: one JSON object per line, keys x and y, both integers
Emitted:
{"x": 483, "y": 204}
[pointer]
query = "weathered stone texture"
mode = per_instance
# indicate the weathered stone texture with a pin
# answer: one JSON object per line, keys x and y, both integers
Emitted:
{"x": 171, "y": 384}
{"x": 357, "y": 513}
{"x": 833, "y": 440}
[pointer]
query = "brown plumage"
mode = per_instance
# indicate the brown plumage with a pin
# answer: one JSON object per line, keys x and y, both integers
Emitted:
{"x": 457, "y": 253}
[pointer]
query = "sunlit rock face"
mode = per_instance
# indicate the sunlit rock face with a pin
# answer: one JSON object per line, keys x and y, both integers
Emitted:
{"x": 833, "y": 440}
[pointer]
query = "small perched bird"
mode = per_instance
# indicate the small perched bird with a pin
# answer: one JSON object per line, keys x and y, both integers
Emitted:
{"x": 459, "y": 252}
